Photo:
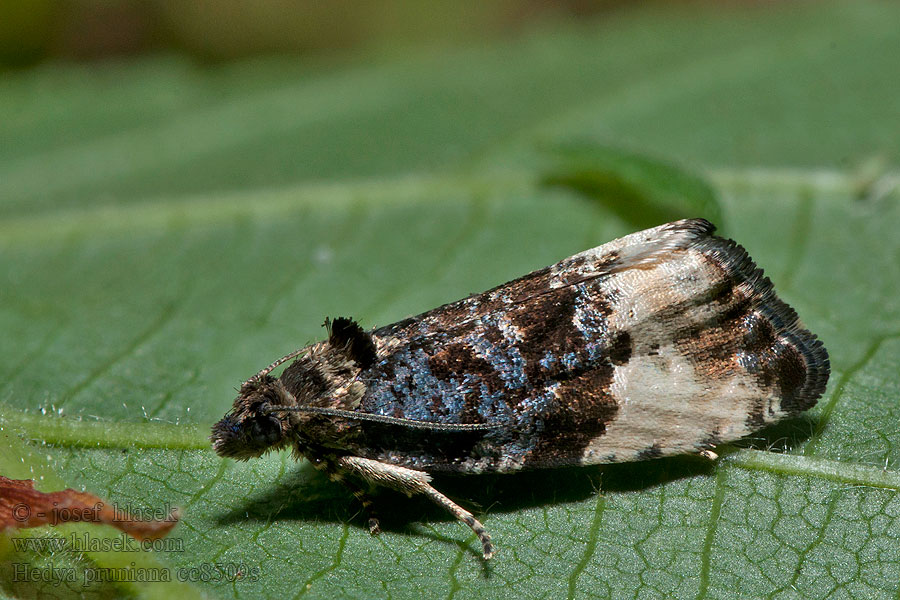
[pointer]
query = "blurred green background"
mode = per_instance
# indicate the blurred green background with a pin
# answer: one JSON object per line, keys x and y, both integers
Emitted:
{"x": 188, "y": 188}
{"x": 32, "y": 30}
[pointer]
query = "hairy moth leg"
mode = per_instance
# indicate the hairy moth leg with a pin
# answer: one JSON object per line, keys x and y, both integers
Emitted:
{"x": 412, "y": 482}
{"x": 336, "y": 473}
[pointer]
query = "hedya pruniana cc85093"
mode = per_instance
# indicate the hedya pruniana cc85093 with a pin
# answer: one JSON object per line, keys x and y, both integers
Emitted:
{"x": 665, "y": 341}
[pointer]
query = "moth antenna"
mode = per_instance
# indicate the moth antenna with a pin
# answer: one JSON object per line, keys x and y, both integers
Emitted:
{"x": 358, "y": 416}
{"x": 275, "y": 365}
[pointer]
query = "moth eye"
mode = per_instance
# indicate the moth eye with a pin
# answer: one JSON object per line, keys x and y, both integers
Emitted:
{"x": 265, "y": 429}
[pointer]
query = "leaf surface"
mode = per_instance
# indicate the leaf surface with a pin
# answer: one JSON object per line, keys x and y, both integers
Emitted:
{"x": 167, "y": 230}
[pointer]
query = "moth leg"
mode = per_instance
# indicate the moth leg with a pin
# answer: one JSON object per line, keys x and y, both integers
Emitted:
{"x": 412, "y": 482}
{"x": 336, "y": 473}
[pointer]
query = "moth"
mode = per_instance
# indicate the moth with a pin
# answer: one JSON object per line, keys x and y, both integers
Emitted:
{"x": 665, "y": 341}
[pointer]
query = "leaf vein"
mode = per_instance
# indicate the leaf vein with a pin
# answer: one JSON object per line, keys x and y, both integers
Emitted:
{"x": 590, "y": 546}
{"x": 152, "y": 329}
{"x": 715, "y": 512}
{"x": 825, "y": 415}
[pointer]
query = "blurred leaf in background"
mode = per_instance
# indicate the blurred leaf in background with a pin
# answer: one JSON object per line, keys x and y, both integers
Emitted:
{"x": 31, "y": 30}
{"x": 168, "y": 226}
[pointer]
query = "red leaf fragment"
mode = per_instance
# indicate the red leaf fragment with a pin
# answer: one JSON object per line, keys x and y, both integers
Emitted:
{"x": 23, "y": 506}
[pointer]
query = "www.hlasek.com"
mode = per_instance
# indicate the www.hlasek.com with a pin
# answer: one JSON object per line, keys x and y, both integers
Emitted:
{"x": 204, "y": 572}
{"x": 47, "y": 545}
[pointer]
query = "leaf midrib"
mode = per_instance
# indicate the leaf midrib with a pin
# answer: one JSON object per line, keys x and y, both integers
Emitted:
{"x": 210, "y": 209}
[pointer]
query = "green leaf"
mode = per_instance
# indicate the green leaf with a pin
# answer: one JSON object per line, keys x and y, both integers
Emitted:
{"x": 167, "y": 230}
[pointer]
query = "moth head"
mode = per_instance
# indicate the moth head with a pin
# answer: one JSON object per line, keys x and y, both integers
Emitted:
{"x": 251, "y": 429}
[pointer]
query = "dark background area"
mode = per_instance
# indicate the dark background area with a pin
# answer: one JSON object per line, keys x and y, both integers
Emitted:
{"x": 35, "y": 30}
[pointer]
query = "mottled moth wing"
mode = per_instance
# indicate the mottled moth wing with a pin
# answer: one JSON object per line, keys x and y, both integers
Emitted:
{"x": 665, "y": 341}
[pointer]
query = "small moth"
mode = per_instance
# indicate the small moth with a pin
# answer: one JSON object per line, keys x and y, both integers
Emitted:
{"x": 665, "y": 341}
